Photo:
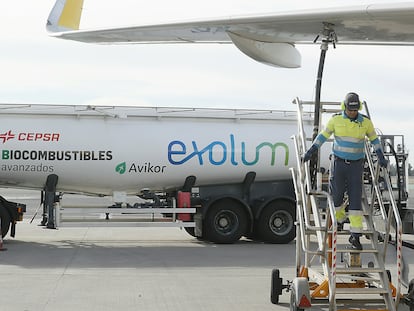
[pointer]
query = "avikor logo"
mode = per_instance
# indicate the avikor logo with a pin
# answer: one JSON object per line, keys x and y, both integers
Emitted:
{"x": 29, "y": 136}
{"x": 219, "y": 152}
{"x": 147, "y": 168}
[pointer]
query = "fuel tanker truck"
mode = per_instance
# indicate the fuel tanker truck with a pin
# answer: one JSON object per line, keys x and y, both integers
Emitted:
{"x": 219, "y": 173}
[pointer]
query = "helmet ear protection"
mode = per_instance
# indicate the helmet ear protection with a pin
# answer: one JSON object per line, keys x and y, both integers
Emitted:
{"x": 343, "y": 106}
{"x": 351, "y": 101}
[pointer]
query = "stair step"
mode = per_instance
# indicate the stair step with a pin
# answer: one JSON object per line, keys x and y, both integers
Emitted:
{"x": 363, "y": 309}
{"x": 356, "y": 270}
{"x": 355, "y": 251}
{"x": 360, "y": 277}
{"x": 362, "y": 291}
{"x": 345, "y": 232}
{"x": 308, "y": 231}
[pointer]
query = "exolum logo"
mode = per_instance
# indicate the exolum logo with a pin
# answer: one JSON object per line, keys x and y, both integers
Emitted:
{"x": 219, "y": 153}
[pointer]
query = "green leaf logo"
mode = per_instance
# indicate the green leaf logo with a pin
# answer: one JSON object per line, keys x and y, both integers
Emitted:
{"x": 121, "y": 168}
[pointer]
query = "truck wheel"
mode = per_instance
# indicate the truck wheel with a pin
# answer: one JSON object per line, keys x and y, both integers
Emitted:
{"x": 276, "y": 224}
{"x": 225, "y": 223}
{"x": 190, "y": 231}
{"x": 5, "y": 221}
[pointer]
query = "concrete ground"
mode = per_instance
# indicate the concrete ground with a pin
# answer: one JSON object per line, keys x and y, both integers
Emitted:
{"x": 134, "y": 269}
{"x": 138, "y": 269}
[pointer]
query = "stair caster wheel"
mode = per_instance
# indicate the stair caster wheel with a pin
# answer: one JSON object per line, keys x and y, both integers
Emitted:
{"x": 276, "y": 286}
{"x": 300, "y": 294}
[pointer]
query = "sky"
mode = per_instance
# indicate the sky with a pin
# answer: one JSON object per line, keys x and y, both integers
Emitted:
{"x": 36, "y": 68}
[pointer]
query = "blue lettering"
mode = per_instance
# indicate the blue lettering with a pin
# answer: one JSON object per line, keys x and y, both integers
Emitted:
{"x": 224, "y": 152}
{"x": 199, "y": 154}
{"x": 217, "y": 152}
{"x": 233, "y": 148}
{"x": 183, "y": 150}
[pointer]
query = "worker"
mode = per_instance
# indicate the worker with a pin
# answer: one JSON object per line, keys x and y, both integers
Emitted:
{"x": 349, "y": 128}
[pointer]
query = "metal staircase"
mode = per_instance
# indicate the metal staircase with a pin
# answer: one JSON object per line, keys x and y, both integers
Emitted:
{"x": 327, "y": 272}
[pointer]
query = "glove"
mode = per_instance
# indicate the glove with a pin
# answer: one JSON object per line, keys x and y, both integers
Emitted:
{"x": 309, "y": 153}
{"x": 381, "y": 159}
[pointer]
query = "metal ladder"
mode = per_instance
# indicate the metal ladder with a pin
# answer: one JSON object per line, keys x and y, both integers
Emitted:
{"x": 339, "y": 280}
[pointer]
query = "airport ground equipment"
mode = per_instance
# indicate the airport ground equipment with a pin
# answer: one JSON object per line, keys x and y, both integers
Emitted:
{"x": 329, "y": 274}
{"x": 10, "y": 214}
{"x": 219, "y": 173}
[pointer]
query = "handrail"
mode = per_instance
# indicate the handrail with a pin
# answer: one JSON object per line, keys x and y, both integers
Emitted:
{"x": 307, "y": 197}
{"x": 299, "y": 212}
{"x": 334, "y": 228}
{"x": 398, "y": 229}
{"x": 393, "y": 213}
{"x": 307, "y": 203}
{"x": 300, "y": 146}
{"x": 303, "y": 200}
{"x": 374, "y": 171}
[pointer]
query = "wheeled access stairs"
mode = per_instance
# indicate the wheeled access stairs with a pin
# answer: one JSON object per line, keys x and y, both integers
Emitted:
{"x": 329, "y": 273}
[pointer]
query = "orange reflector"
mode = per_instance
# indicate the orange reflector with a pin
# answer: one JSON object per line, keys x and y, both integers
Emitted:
{"x": 304, "y": 302}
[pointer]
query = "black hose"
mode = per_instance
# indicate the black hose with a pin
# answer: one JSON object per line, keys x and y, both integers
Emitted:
{"x": 314, "y": 158}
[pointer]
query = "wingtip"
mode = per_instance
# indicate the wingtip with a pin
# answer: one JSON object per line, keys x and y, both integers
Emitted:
{"x": 64, "y": 16}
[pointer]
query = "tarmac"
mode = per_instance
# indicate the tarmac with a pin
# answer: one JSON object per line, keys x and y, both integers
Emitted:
{"x": 109, "y": 268}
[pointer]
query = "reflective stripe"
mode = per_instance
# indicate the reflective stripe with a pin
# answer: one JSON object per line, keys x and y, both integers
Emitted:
{"x": 349, "y": 139}
{"x": 350, "y": 136}
{"x": 355, "y": 230}
{"x": 376, "y": 143}
{"x": 318, "y": 143}
{"x": 355, "y": 213}
{"x": 320, "y": 139}
{"x": 377, "y": 146}
{"x": 348, "y": 149}
{"x": 328, "y": 131}
{"x": 338, "y": 208}
{"x": 371, "y": 134}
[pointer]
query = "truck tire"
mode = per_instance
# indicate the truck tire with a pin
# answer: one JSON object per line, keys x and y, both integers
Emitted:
{"x": 5, "y": 221}
{"x": 276, "y": 224}
{"x": 190, "y": 231}
{"x": 225, "y": 222}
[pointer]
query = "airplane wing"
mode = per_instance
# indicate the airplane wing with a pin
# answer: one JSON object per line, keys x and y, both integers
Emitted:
{"x": 268, "y": 38}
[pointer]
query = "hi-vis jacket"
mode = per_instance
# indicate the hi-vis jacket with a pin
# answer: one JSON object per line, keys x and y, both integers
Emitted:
{"x": 349, "y": 136}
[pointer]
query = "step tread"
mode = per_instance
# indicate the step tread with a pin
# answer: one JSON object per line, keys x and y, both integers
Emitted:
{"x": 355, "y": 251}
{"x": 357, "y": 270}
{"x": 362, "y": 291}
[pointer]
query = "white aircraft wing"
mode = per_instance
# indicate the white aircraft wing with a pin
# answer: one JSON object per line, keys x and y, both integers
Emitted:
{"x": 261, "y": 36}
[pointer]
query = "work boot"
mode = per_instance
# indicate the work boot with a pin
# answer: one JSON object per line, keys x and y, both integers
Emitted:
{"x": 355, "y": 243}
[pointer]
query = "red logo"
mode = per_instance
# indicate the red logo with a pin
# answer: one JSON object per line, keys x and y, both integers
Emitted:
{"x": 6, "y": 136}
{"x": 30, "y": 136}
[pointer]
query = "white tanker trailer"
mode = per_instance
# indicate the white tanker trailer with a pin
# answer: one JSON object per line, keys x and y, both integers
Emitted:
{"x": 231, "y": 165}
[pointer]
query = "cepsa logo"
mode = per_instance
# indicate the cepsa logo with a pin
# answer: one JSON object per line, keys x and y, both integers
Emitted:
{"x": 29, "y": 136}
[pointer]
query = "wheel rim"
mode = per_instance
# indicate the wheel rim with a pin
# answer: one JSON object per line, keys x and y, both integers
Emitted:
{"x": 281, "y": 222}
{"x": 226, "y": 222}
